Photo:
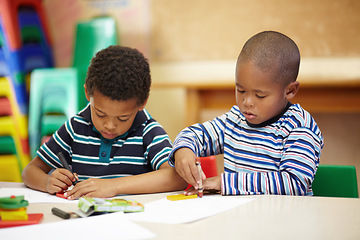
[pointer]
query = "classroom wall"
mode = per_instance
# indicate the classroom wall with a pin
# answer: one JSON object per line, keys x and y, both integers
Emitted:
{"x": 212, "y": 29}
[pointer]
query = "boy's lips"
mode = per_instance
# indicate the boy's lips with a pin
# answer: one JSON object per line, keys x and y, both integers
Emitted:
{"x": 249, "y": 115}
{"x": 108, "y": 135}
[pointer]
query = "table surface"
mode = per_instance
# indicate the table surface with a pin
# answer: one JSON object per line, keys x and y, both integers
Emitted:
{"x": 267, "y": 217}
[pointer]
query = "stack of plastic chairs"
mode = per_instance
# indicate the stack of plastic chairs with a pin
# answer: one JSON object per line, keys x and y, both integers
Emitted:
{"x": 26, "y": 43}
{"x": 24, "y": 46}
{"x": 51, "y": 101}
{"x": 14, "y": 148}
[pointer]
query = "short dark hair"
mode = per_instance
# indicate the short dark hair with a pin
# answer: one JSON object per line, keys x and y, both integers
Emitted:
{"x": 273, "y": 51}
{"x": 120, "y": 73}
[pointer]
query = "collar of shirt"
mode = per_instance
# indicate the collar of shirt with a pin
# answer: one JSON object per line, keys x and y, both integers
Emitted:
{"x": 271, "y": 120}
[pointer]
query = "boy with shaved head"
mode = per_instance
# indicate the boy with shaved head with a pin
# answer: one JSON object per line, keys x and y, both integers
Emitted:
{"x": 270, "y": 145}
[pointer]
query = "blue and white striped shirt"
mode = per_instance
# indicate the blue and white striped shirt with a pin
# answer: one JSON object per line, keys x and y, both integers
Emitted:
{"x": 144, "y": 148}
{"x": 280, "y": 157}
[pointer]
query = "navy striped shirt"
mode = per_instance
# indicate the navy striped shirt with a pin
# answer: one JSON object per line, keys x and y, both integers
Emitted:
{"x": 144, "y": 148}
{"x": 280, "y": 157}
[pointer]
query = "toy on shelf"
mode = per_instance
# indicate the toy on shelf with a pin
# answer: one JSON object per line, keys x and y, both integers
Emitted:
{"x": 13, "y": 212}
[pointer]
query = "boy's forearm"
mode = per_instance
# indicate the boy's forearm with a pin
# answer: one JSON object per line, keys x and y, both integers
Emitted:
{"x": 35, "y": 178}
{"x": 162, "y": 180}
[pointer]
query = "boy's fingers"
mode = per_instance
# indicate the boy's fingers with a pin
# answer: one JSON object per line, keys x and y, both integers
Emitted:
{"x": 68, "y": 177}
{"x": 191, "y": 176}
{"x": 190, "y": 191}
{"x": 74, "y": 193}
{"x": 203, "y": 176}
{"x": 186, "y": 173}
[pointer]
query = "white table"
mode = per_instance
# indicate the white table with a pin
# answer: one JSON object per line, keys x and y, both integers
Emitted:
{"x": 267, "y": 217}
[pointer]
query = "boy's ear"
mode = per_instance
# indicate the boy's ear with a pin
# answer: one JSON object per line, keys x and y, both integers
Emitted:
{"x": 141, "y": 107}
{"x": 87, "y": 94}
{"x": 291, "y": 90}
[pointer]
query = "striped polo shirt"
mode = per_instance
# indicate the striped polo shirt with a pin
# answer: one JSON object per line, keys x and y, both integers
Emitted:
{"x": 279, "y": 156}
{"x": 144, "y": 148}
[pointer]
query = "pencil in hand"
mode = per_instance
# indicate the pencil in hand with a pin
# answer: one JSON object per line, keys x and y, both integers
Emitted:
{"x": 66, "y": 165}
{"x": 200, "y": 188}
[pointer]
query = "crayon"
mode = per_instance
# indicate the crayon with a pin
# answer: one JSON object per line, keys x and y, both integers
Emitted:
{"x": 60, "y": 213}
{"x": 200, "y": 188}
{"x": 66, "y": 165}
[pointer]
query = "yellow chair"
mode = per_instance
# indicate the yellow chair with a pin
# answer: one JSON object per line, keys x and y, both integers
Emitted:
{"x": 20, "y": 119}
{"x": 9, "y": 168}
{"x": 8, "y": 129}
{"x": 14, "y": 149}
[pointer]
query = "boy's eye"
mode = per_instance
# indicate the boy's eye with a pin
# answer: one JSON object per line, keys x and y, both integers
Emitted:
{"x": 260, "y": 96}
{"x": 240, "y": 91}
{"x": 122, "y": 120}
{"x": 100, "y": 115}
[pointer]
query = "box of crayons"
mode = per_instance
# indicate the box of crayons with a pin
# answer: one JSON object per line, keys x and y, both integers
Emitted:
{"x": 91, "y": 205}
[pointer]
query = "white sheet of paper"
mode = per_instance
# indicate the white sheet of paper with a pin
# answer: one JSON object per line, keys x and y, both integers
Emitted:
{"x": 106, "y": 226}
{"x": 184, "y": 211}
{"x": 33, "y": 196}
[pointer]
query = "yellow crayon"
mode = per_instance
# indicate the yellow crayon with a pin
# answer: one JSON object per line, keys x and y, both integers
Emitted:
{"x": 180, "y": 197}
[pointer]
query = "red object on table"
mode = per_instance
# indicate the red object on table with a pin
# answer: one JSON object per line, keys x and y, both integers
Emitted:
{"x": 34, "y": 218}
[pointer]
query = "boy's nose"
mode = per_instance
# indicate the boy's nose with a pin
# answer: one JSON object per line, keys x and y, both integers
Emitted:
{"x": 248, "y": 102}
{"x": 110, "y": 124}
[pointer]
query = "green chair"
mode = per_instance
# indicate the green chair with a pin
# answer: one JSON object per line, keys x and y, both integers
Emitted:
{"x": 50, "y": 123}
{"x": 7, "y": 145}
{"x": 335, "y": 181}
{"x": 53, "y": 100}
{"x": 30, "y": 34}
{"x": 91, "y": 36}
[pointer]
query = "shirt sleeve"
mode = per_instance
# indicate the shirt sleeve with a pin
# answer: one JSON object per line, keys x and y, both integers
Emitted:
{"x": 204, "y": 139}
{"x": 157, "y": 143}
{"x": 296, "y": 173}
{"x": 60, "y": 141}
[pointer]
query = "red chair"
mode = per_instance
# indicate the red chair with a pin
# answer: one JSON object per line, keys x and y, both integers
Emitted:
{"x": 5, "y": 106}
{"x": 9, "y": 15}
{"x": 208, "y": 166}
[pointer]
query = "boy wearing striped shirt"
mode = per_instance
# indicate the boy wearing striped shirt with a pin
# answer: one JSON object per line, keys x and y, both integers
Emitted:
{"x": 270, "y": 145}
{"x": 113, "y": 145}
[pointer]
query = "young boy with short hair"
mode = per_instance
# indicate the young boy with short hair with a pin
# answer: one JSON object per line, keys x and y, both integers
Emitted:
{"x": 113, "y": 145}
{"x": 270, "y": 145}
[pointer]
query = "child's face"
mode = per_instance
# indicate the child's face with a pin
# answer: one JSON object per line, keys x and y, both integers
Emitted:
{"x": 112, "y": 118}
{"x": 258, "y": 96}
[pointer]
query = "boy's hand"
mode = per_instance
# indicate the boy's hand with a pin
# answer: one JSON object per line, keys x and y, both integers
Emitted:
{"x": 59, "y": 180}
{"x": 185, "y": 166}
{"x": 92, "y": 187}
{"x": 210, "y": 184}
